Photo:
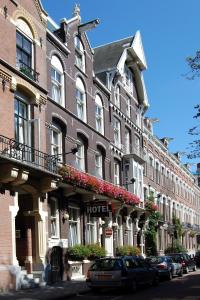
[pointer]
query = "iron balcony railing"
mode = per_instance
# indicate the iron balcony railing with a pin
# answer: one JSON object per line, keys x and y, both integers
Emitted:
{"x": 11, "y": 149}
{"x": 28, "y": 71}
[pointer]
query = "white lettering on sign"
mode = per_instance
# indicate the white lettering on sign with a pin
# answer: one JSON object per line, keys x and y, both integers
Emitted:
{"x": 97, "y": 209}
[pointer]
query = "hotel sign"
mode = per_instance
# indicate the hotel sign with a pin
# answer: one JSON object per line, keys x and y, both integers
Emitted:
{"x": 99, "y": 209}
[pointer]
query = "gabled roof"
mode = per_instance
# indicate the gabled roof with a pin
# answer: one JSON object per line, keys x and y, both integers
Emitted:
{"x": 107, "y": 56}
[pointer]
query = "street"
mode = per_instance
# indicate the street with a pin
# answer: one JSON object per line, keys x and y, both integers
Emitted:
{"x": 185, "y": 288}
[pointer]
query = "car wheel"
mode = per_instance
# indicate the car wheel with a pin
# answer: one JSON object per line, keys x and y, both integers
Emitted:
{"x": 186, "y": 270}
{"x": 170, "y": 276}
{"x": 180, "y": 274}
{"x": 194, "y": 268}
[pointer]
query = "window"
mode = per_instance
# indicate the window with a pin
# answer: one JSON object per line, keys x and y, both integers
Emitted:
{"x": 22, "y": 129}
{"x": 80, "y": 100}
{"x": 137, "y": 145}
{"x": 24, "y": 49}
{"x": 117, "y": 132}
{"x": 91, "y": 230}
{"x": 57, "y": 81}
{"x": 157, "y": 173}
{"x": 128, "y": 107}
{"x": 54, "y": 213}
{"x": 99, "y": 165}
{"x": 128, "y": 78}
{"x": 127, "y": 139}
{"x": 99, "y": 115}
{"x": 74, "y": 226}
{"x": 117, "y": 96}
{"x": 79, "y": 54}
{"x": 138, "y": 176}
{"x": 56, "y": 141}
{"x": 80, "y": 156}
{"x": 116, "y": 172}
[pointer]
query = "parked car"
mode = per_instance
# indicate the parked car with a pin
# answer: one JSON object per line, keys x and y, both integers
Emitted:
{"x": 126, "y": 271}
{"x": 167, "y": 267}
{"x": 187, "y": 262}
{"x": 197, "y": 258}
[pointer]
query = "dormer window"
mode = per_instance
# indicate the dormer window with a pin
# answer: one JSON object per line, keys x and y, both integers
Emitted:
{"x": 128, "y": 78}
{"x": 79, "y": 54}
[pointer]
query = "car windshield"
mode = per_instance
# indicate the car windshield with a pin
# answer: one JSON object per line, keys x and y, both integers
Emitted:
{"x": 106, "y": 265}
{"x": 156, "y": 260}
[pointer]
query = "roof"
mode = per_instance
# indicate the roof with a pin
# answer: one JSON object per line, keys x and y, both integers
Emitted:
{"x": 110, "y": 53}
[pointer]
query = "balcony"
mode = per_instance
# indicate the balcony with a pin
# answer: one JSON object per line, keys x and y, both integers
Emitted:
{"x": 137, "y": 154}
{"x": 28, "y": 71}
{"x": 13, "y": 151}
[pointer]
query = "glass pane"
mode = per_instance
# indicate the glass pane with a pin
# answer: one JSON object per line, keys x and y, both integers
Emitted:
{"x": 19, "y": 39}
{"x": 22, "y": 110}
{"x": 27, "y": 46}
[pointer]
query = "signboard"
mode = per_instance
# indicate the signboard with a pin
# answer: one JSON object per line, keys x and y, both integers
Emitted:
{"x": 108, "y": 232}
{"x": 99, "y": 209}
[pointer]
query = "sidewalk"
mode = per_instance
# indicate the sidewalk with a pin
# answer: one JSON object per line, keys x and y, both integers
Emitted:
{"x": 57, "y": 291}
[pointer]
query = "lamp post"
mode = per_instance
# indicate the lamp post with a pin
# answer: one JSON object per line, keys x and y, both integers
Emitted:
{"x": 74, "y": 150}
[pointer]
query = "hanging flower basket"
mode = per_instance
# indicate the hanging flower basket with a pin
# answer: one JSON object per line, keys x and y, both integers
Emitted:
{"x": 150, "y": 206}
{"x": 93, "y": 184}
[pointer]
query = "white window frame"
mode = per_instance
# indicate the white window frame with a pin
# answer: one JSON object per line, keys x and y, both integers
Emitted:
{"x": 79, "y": 54}
{"x": 128, "y": 79}
{"x": 127, "y": 140}
{"x": 74, "y": 239}
{"x": 80, "y": 100}
{"x": 80, "y": 155}
{"x": 57, "y": 86}
{"x": 91, "y": 230}
{"x": 99, "y": 164}
{"x": 117, "y": 96}
{"x": 99, "y": 116}
{"x": 56, "y": 148}
{"x": 54, "y": 218}
{"x": 138, "y": 176}
{"x": 128, "y": 107}
{"x": 117, "y": 132}
{"x": 116, "y": 172}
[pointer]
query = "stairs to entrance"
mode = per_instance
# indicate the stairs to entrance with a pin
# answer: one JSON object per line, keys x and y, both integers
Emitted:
{"x": 32, "y": 280}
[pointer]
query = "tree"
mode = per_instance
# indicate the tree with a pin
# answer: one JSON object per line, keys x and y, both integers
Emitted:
{"x": 194, "y": 71}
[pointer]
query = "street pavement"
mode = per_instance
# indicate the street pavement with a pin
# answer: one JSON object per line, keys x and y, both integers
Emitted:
{"x": 59, "y": 291}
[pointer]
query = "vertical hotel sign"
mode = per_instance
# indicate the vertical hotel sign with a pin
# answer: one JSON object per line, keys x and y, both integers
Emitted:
{"x": 99, "y": 209}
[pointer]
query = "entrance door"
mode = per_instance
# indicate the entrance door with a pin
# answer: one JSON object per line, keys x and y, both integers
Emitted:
{"x": 56, "y": 264}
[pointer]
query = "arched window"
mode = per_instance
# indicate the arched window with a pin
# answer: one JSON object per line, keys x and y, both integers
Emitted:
{"x": 24, "y": 50}
{"x": 79, "y": 54}
{"x": 127, "y": 140}
{"x": 99, "y": 114}
{"x": 57, "y": 80}
{"x": 80, "y": 100}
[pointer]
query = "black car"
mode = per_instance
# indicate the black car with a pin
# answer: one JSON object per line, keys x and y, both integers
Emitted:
{"x": 187, "y": 262}
{"x": 127, "y": 271}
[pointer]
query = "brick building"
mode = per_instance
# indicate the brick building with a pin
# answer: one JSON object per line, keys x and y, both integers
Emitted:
{"x": 73, "y": 141}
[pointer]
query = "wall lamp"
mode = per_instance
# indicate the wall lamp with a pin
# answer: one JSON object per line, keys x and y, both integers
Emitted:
{"x": 74, "y": 150}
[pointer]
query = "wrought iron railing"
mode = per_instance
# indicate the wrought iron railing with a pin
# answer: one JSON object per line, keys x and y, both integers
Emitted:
{"x": 27, "y": 70}
{"x": 11, "y": 149}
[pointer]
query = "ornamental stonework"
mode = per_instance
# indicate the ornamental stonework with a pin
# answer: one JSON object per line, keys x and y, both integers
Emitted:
{"x": 5, "y": 76}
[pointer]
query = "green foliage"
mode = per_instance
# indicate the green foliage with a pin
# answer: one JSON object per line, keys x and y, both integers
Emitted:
{"x": 176, "y": 248}
{"x": 151, "y": 232}
{"x": 127, "y": 250}
{"x": 95, "y": 251}
{"x": 80, "y": 252}
{"x": 178, "y": 228}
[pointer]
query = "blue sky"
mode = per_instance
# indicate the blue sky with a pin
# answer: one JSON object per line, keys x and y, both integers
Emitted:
{"x": 170, "y": 33}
